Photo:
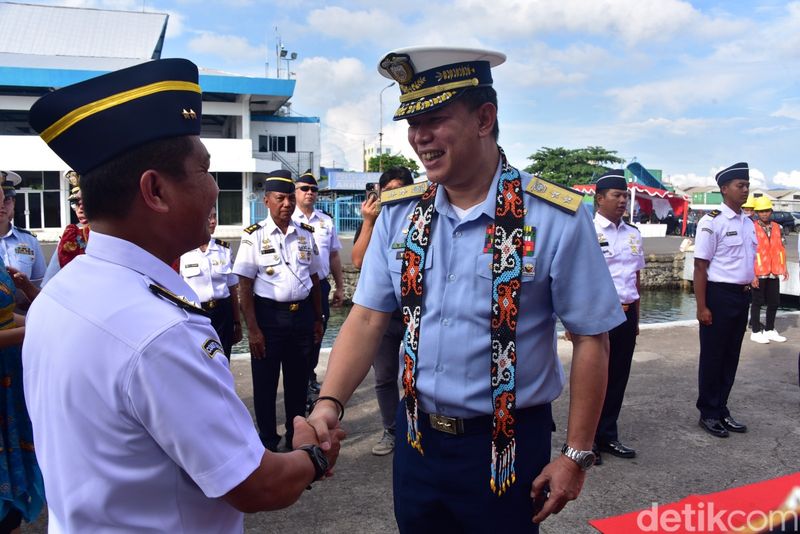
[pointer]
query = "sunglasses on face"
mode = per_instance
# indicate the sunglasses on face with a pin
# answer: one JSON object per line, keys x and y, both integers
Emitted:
{"x": 307, "y": 188}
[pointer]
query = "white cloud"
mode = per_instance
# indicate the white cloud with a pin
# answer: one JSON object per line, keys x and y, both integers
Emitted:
{"x": 229, "y": 47}
{"x": 175, "y": 25}
{"x": 685, "y": 181}
{"x": 788, "y": 109}
{"x": 790, "y": 179}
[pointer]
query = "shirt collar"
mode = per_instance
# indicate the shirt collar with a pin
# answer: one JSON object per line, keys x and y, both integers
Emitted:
{"x": 115, "y": 250}
{"x": 271, "y": 227}
{"x": 728, "y": 212}
{"x": 300, "y": 216}
{"x": 603, "y": 222}
{"x": 442, "y": 204}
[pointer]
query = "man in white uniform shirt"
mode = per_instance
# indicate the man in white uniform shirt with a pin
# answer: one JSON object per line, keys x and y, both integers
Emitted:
{"x": 138, "y": 426}
{"x": 277, "y": 264}
{"x": 328, "y": 244}
{"x": 208, "y": 270}
{"x": 724, "y": 259}
{"x": 622, "y": 249}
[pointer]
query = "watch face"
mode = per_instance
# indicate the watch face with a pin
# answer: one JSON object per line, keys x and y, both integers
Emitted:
{"x": 587, "y": 460}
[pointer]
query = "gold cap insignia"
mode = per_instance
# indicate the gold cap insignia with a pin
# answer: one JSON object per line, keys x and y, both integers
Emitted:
{"x": 399, "y": 67}
{"x": 189, "y": 114}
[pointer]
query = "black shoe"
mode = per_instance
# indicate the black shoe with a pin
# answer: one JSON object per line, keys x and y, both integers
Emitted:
{"x": 314, "y": 386}
{"x": 615, "y": 448}
{"x": 731, "y": 424}
{"x": 714, "y": 427}
{"x": 598, "y": 460}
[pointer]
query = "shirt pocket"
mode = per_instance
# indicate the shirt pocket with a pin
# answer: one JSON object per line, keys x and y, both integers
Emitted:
{"x": 484, "y": 263}
{"x": 190, "y": 270}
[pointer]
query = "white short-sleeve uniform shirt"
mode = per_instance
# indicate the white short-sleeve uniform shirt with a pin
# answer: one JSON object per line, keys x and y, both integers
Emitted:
{"x": 138, "y": 426}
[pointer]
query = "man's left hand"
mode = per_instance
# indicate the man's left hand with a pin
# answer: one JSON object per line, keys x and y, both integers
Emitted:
{"x": 565, "y": 480}
{"x": 338, "y": 297}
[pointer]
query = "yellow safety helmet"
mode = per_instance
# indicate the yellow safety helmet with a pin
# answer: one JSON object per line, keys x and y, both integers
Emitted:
{"x": 750, "y": 202}
{"x": 762, "y": 204}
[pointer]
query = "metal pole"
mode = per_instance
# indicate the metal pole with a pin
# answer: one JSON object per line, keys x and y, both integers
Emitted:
{"x": 380, "y": 129}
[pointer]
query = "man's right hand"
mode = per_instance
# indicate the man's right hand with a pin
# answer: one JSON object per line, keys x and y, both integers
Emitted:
{"x": 704, "y": 316}
{"x": 305, "y": 434}
{"x": 370, "y": 208}
{"x": 325, "y": 420}
{"x": 257, "y": 343}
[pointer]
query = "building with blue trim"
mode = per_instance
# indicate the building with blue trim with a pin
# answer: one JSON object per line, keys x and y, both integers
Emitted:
{"x": 247, "y": 126}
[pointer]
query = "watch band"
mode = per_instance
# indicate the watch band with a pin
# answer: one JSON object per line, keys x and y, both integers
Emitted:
{"x": 318, "y": 458}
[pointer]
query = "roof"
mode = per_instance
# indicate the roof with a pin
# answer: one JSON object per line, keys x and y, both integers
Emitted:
{"x": 779, "y": 193}
{"x": 65, "y": 31}
{"x": 701, "y": 189}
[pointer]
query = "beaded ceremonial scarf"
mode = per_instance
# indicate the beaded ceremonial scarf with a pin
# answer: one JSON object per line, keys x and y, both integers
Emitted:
{"x": 507, "y": 251}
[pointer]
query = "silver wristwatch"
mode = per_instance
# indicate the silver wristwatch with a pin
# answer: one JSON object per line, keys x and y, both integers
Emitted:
{"x": 584, "y": 459}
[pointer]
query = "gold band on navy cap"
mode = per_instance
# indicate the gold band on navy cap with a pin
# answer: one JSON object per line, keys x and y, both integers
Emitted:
{"x": 87, "y": 110}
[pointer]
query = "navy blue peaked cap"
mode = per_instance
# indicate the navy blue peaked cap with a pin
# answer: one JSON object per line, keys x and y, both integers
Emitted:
{"x": 614, "y": 179}
{"x": 279, "y": 181}
{"x": 737, "y": 171}
{"x": 94, "y": 121}
{"x": 307, "y": 178}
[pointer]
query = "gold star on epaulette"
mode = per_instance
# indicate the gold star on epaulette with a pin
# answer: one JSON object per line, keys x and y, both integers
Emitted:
{"x": 222, "y": 243}
{"x": 402, "y": 193}
{"x": 308, "y": 227}
{"x": 252, "y": 228}
{"x": 563, "y": 198}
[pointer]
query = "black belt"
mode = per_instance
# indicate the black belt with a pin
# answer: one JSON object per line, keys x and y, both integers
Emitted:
{"x": 213, "y": 303}
{"x": 738, "y": 288}
{"x": 283, "y": 306}
{"x": 471, "y": 425}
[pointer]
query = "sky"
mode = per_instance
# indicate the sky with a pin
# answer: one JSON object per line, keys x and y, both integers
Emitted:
{"x": 688, "y": 87}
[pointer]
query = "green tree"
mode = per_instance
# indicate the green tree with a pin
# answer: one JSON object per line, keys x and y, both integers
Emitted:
{"x": 391, "y": 160}
{"x": 572, "y": 166}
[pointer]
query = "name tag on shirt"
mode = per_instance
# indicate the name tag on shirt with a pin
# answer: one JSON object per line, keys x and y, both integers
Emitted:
{"x": 732, "y": 232}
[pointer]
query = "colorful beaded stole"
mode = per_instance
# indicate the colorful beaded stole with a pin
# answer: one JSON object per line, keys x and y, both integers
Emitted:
{"x": 507, "y": 246}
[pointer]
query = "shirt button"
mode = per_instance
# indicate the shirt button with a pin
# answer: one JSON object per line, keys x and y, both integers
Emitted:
{"x": 451, "y": 277}
{"x": 439, "y": 369}
{"x": 457, "y": 234}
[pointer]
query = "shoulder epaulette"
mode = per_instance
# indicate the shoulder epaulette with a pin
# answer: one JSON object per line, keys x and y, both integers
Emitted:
{"x": 714, "y": 213}
{"x": 563, "y": 198}
{"x": 403, "y": 193}
{"x": 252, "y": 228}
{"x": 633, "y": 226}
{"x": 24, "y": 230}
{"x": 181, "y": 302}
{"x": 326, "y": 213}
{"x": 222, "y": 243}
{"x": 308, "y": 227}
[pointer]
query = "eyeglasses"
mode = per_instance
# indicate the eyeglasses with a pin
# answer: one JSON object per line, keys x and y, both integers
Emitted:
{"x": 307, "y": 188}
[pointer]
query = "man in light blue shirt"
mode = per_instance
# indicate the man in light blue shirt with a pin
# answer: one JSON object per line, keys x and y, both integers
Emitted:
{"x": 494, "y": 256}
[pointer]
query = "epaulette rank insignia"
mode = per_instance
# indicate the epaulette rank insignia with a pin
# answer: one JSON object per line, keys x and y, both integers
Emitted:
{"x": 222, "y": 243}
{"x": 308, "y": 227}
{"x": 714, "y": 213}
{"x": 403, "y": 193}
{"x": 634, "y": 227}
{"x": 181, "y": 302}
{"x": 252, "y": 228}
{"x": 563, "y": 198}
{"x": 24, "y": 230}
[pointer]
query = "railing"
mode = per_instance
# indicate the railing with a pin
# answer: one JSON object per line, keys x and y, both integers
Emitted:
{"x": 346, "y": 212}
{"x": 295, "y": 162}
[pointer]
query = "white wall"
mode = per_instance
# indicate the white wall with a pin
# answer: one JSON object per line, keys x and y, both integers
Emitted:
{"x": 307, "y": 136}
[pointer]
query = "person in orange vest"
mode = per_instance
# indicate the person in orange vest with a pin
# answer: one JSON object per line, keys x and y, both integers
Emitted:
{"x": 770, "y": 264}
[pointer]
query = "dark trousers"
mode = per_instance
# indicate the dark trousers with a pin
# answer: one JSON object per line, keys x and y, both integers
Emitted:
{"x": 720, "y": 345}
{"x": 387, "y": 369}
{"x": 325, "y": 291}
{"x": 289, "y": 339}
{"x": 447, "y": 488}
{"x": 769, "y": 293}
{"x": 222, "y": 321}
{"x": 622, "y": 341}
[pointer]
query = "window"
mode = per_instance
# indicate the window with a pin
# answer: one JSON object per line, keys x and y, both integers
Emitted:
{"x": 38, "y": 203}
{"x": 229, "y": 201}
{"x": 277, "y": 143}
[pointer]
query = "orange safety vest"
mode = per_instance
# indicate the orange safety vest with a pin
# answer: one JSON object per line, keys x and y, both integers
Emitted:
{"x": 770, "y": 255}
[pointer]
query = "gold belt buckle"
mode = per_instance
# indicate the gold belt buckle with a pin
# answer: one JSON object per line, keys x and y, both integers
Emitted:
{"x": 211, "y": 304}
{"x": 294, "y": 306}
{"x": 442, "y": 423}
